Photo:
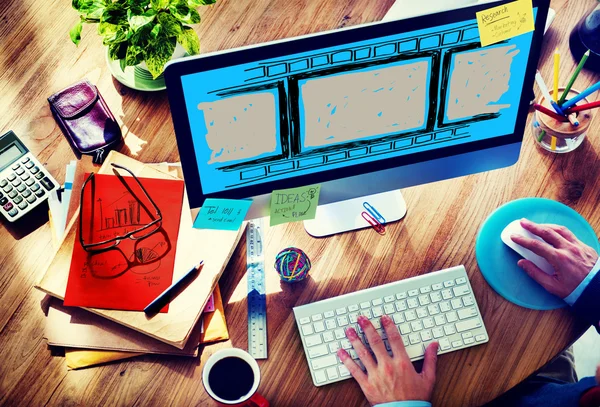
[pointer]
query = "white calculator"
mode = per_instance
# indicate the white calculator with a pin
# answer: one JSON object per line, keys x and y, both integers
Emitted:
{"x": 24, "y": 182}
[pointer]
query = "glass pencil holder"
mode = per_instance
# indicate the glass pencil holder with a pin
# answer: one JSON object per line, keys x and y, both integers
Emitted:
{"x": 560, "y": 136}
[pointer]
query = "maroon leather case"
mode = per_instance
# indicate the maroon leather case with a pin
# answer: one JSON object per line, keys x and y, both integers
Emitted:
{"x": 86, "y": 120}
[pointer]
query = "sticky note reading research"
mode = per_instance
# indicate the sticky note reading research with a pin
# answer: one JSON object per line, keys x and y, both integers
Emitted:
{"x": 222, "y": 214}
{"x": 294, "y": 204}
{"x": 503, "y": 22}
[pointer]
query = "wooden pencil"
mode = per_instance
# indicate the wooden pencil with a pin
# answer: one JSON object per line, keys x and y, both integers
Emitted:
{"x": 546, "y": 111}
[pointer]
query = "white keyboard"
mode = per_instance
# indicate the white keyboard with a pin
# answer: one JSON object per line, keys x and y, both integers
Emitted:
{"x": 436, "y": 306}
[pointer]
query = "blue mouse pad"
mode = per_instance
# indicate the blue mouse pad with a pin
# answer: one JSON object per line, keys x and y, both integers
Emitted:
{"x": 498, "y": 262}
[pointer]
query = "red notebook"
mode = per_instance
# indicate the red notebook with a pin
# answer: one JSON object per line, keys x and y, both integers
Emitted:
{"x": 130, "y": 252}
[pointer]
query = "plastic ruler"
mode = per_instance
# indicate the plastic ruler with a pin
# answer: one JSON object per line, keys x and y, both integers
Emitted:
{"x": 257, "y": 299}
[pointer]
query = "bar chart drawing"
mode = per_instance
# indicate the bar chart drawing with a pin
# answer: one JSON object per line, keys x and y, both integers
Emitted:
{"x": 123, "y": 212}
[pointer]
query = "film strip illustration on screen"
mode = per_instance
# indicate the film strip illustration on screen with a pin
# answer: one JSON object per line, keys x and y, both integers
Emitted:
{"x": 365, "y": 101}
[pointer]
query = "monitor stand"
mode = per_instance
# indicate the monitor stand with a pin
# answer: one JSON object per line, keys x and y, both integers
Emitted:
{"x": 345, "y": 216}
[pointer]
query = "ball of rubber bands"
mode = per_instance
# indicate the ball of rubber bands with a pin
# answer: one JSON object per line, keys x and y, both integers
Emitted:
{"x": 292, "y": 264}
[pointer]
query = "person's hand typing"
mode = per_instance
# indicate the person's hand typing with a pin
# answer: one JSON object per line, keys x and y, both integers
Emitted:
{"x": 571, "y": 259}
{"x": 389, "y": 378}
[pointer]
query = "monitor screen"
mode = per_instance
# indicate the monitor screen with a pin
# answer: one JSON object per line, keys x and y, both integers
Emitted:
{"x": 321, "y": 108}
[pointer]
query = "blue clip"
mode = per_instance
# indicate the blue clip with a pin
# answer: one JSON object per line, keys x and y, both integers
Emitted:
{"x": 373, "y": 212}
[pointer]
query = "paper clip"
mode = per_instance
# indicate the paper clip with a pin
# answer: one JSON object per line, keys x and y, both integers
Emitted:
{"x": 373, "y": 212}
{"x": 379, "y": 228}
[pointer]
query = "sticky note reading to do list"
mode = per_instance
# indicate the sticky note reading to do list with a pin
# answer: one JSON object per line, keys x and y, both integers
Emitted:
{"x": 294, "y": 204}
{"x": 503, "y": 22}
{"x": 222, "y": 214}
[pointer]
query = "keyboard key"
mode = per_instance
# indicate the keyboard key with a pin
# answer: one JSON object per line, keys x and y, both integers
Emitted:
{"x": 401, "y": 296}
{"x": 415, "y": 351}
{"x": 446, "y": 294}
{"x": 456, "y": 344}
{"x": 468, "y": 300}
{"x": 320, "y": 376}
{"x": 410, "y": 315}
{"x": 329, "y": 314}
{"x": 428, "y": 323}
{"x": 388, "y": 298}
{"x": 404, "y": 329}
{"x": 389, "y": 309}
{"x": 304, "y": 320}
{"x": 461, "y": 280}
{"x": 342, "y": 321}
{"x": 444, "y": 344}
{"x": 452, "y": 316}
{"x": 422, "y": 313}
{"x": 425, "y": 290}
{"x": 445, "y": 306}
{"x": 367, "y": 313}
{"x": 334, "y": 346}
{"x": 317, "y": 351}
{"x": 480, "y": 338}
{"x": 468, "y": 325}
{"x": 332, "y": 373}
{"x": 461, "y": 290}
{"x": 344, "y": 372}
{"x": 416, "y": 326}
{"x": 345, "y": 344}
{"x": 435, "y": 296}
{"x": 330, "y": 324}
{"x": 352, "y": 308}
{"x": 467, "y": 335}
{"x": 433, "y": 309}
{"x": 307, "y": 330}
{"x": 398, "y": 318}
{"x": 469, "y": 341}
{"x": 377, "y": 312}
{"x": 448, "y": 283}
{"x": 439, "y": 320}
{"x": 405, "y": 340}
{"x": 426, "y": 335}
{"x": 341, "y": 311}
{"x": 424, "y": 300}
{"x": 317, "y": 317}
{"x": 376, "y": 322}
{"x": 456, "y": 303}
{"x": 467, "y": 313}
{"x": 377, "y": 301}
{"x": 400, "y": 305}
{"x": 412, "y": 303}
{"x": 450, "y": 329}
{"x": 328, "y": 336}
{"x": 413, "y": 293}
{"x": 437, "y": 332}
{"x": 353, "y": 317}
{"x": 365, "y": 305}
{"x": 313, "y": 340}
{"x": 437, "y": 286}
{"x": 319, "y": 326}
{"x": 414, "y": 338}
{"x": 339, "y": 334}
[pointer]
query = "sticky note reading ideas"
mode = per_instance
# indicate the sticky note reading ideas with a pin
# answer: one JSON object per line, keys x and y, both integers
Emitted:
{"x": 294, "y": 204}
{"x": 503, "y": 22}
{"x": 222, "y": 214}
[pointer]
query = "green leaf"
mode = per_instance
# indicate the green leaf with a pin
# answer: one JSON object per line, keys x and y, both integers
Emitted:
{"x": 135, "y": 55}
{"x": 189, "y": 41}
{"x": 75, "y": 33}
{"x": 184, "y": 13}
{"x": 198, "y": 3}
{"x": 138, "y": 21}
{"x": 155, "y": 31}
{"x": 160, "y": 4}
{"x": 158, "y": 54}
{"x": 171, "y": 27}
{"x": 114, "y": 13}
{"x": 122, "y": 64}
{"x": 117, "y": 51}
{"x": 143, "y": 4}
{"x": 90, "y": 9}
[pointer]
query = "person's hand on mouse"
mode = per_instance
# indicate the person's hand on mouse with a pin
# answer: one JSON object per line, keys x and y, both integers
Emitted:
{"x": 389, "y": 378}
{"x": 571, "y": 259}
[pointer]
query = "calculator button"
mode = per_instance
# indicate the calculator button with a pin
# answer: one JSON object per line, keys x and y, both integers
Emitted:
{"x": 13, "y": 193}
{"x": 16, "y": 166}
{"x": 3, "y": 201}
{"x": 47, "y": 183}
{"x": 35, "y": 170}
{"x": 25, "y": 176}
{"x": 16, "y": 182}
{"x": 26, "y": 193}
{"x": 13, "y": 212}
{"x": 18, "y": 199}
{"x": 11, "y": 177}
{"x": 23, "y": 205}
{"x": 29, "y": 164}
{"x": 30, "y": 182}
{"x": 39, "y": 175}
{"x": 21, "y": 187}
{"x": 19, "y": 171}
{"x": 39, "y": 193}
{"x": 7, "y": 188}
{"x": 8, "y": 206}
{"x": 35, "y": 187}
{"x": 3, "y": 183}
{"x": 31, "y": 199}
{"x": 25, "y": 160}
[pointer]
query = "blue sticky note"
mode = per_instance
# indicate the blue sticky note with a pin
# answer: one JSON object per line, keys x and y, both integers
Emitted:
{"x": 222, "y": 214}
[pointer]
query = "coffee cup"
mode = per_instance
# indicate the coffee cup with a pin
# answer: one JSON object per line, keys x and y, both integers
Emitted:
{"x": 231, "y": 377}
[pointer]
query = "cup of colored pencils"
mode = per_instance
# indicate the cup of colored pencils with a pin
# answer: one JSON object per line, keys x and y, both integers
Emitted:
{"x": 564, "y": 114}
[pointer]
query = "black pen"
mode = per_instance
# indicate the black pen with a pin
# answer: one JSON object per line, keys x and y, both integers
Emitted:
{"x": 173, "y": 291}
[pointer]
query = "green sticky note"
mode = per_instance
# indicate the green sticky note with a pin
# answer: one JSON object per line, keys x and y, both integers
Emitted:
{"x": 222, "y": 214}
{"x": 294, "y": 204}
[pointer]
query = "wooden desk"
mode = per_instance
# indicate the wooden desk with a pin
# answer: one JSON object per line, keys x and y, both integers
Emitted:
{"x": 439, "y": 230}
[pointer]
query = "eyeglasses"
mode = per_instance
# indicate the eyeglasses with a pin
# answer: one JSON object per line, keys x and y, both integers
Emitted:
{"x": 139, "y": 233}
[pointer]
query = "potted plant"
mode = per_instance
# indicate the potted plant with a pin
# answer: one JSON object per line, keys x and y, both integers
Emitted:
{"x": 137, "y": 31}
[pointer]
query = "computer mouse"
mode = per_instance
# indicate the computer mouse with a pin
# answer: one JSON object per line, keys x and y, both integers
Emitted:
{"x": 515, "y": 228}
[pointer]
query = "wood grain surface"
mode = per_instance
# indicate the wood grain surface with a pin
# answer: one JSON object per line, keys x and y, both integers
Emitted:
{"x": 439, "y": 230}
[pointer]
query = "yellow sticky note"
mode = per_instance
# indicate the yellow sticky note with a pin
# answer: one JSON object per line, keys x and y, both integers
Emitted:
{"x": 507, "y": 21}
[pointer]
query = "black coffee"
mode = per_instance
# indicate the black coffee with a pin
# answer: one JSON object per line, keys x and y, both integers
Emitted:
{"x": 231, "y": 378}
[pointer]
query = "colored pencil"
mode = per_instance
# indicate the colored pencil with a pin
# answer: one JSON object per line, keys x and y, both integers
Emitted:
{"x": 549, "y": 112}
{"x": 573, "y": 119}
{"x": 541, "y": 136}
{"x": 553, "y": 144}
{"x": 546, "y": 92}
{"x": 556, "y": 74}
{"x": 170, "y": 293}
{"x": 575, "y": 75}
{"x": 586, "y": 106}
{"x": 573, "y": 101}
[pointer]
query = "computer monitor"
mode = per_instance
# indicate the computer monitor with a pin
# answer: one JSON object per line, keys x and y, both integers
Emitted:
{"x": 362, "y": 111}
